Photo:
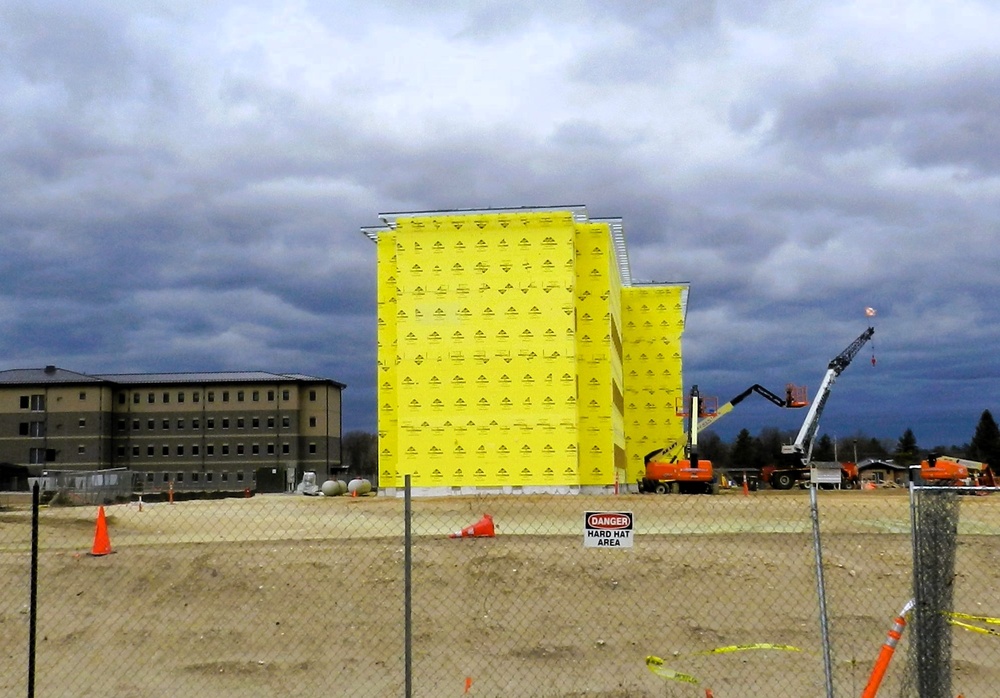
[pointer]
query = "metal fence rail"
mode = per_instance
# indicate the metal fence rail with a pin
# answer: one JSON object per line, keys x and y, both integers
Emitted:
{"x": 290, "y": 595}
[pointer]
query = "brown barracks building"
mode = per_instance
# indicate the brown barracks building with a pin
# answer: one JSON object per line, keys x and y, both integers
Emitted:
{"x": 206, "y": 431}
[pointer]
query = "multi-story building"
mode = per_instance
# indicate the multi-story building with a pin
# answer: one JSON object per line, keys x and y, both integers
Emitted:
{"x": 227, "y": 430}
{"x": 516, "y": 354}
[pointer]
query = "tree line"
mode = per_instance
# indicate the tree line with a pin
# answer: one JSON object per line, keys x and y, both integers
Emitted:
{"x": 747, "y": 451}
{"x": 360, "y": 449}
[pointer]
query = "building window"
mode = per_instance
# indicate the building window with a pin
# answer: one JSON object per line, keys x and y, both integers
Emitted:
{"x": 284, "y": 395}
{"x": 270, "y": 422}
{"x": 166, "y": 423}
{"x": 225, "y": 396}
{"x": 180, "y": 477}
{"x": 255, "y": 423}
{"x": 225, "y": 476}
{"x": 225, "y": 422}
{"x": 81, "y": 450}
{"x": 121, "y": 398}
{"x": 312, "y": 396}
{"x": 83, "y": 395}
{"x": 285, "y": 449}
{"x": 239, "y": 396}
{"x": 239, "y": 476}
{"x": 121, "y": 423}
{"x": 150, "y": 423}
{"x": 240, "y": 422}
{"x": 36, "y": 456}
{"x": 166, "y": 451}
{"x": 211, "y": 396}
{"x": 121, "y": 451}
{"x": 82, "y": 422}
{"x": 150, "y": 451}
{"x": 208, "y": 477}
{"x": 210, "y": 450}
{"x": 255, "y": 449}
{"x": 31, "y": 429}
{"x": 312, "y": 421}
{"x": 36, "y": 403}
{"x": 149, "y": 477}
{"x": 225, "y": 449}
{"x": 312, "y": 448}
{"x": 151, "y": 398}
{"x": 255, "y": 396}
{"x": 195, "y": 449}
{"x": 270, "y": 449}
{"x": 195, "y": 423}
{"x": 270, "y": 396}
{"x": 239, "y": 449}
{"x": 286, "y": 422}
{"x": 210, "y": 423}
{"x": 195, "y": 397}
{"x": 135, "y": 423}
{"x": 135, "y": 398}
{"x": 180, "y": 450}
{"x": 194, "y": 477}
{"x": 135, "y": 451}
{"x": 180, "y": 397}
{"x": 180, "y": 423}
{"x": 166, "y": 398}
{"x": 166, "y": 477}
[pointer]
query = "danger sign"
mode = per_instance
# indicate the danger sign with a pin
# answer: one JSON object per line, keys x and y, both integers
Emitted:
{"x": 607, "y": 529}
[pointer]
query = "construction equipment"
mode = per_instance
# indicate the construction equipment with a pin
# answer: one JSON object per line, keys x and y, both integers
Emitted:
{"x": 663, "y": 469}
{"x": 666, "y": 471}
{"x": 793, "y": 465}
{"x": 954, "y": 471}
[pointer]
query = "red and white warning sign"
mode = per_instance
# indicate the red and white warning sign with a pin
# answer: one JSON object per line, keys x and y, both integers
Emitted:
{"x": 607, "y": 529}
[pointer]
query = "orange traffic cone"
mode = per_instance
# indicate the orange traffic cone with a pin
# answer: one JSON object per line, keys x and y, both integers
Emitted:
{"x": 746, "y": 487}
{"x": 102, "y": 543}
{"x": 481, "y": 529}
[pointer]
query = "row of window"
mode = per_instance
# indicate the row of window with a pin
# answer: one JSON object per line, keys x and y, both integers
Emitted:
{"x": 196, "y": 477}
{"x": 241, "y": 396}
{"x": 182, "y": 450}
{"x": 286, "y": 423}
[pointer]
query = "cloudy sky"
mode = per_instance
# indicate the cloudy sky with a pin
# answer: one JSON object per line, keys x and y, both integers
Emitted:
{"x": 182, "y": 183}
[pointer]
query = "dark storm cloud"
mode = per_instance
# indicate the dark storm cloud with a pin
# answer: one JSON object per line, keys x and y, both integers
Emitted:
{"x": 182, "y": 185}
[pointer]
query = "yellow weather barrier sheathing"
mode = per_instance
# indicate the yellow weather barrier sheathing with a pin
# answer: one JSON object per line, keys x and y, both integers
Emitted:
{"x": 653, "y": 318}
{"x": 503, "y": 352}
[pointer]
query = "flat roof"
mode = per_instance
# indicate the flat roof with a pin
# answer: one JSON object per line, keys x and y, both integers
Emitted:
{"x": 52, "y": 375}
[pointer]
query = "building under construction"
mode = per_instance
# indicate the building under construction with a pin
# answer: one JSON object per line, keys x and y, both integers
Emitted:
{"x": 517, "y": 354}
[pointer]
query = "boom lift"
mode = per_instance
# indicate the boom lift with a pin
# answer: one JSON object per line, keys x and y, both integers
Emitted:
{"x": 667, "y": 471}
{"x": 674, "y": 474}
{"x": 793, "y": 465}
{"x": 951, "y": 470}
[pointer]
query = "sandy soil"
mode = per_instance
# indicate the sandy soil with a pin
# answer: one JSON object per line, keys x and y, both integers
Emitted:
{"x": 299, "y": 596}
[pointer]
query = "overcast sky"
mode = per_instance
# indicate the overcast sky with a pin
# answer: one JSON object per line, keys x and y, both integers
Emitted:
{"x": 182, "y": 183}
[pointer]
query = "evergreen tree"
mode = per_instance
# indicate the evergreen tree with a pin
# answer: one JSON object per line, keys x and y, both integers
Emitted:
{"x": 743, "y": 452}
{"x": 823, "y": 450}
{"x": 906, "y": 448}
{"x": 985, "y": 446}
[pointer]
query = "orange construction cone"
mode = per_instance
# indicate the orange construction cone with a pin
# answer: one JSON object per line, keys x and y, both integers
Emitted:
{"x": 481, "y": 529}
{"x": 746, "y": 487}
{"x": 102, "y": 543}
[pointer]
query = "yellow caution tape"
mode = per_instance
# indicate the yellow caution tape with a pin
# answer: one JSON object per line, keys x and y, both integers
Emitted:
{"x": 974, "y": 628}
{"x": 753, "y": 646}
{"x": 982, "y": 619}
{"x": 655, "y": 665}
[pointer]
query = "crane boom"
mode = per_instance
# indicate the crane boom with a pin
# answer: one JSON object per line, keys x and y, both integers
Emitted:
{"x": 803, "y": 444}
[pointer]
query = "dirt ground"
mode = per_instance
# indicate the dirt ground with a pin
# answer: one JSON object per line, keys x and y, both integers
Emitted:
{"x": 285, "y": 595}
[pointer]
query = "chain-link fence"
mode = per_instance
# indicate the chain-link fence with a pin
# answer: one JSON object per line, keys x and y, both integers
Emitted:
{"x": 296, "y": 595}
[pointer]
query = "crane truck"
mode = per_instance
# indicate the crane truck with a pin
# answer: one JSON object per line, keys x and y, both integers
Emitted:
{"x": 666, "y": 470}
{"x": 793, "y": 465}
{"x": 950, "y": 470}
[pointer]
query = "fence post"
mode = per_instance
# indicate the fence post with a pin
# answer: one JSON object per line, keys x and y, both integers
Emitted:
{"x": 33, "y": 603}
{"x": 407, "y": 589}
{"x": 821, "y": 590}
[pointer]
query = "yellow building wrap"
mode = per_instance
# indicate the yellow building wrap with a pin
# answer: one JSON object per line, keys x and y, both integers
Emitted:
{"x": 503, "y": 351}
